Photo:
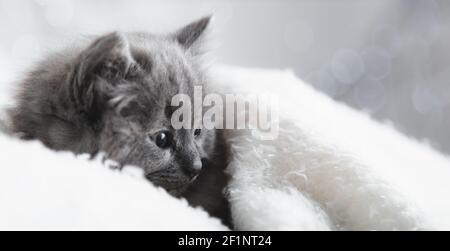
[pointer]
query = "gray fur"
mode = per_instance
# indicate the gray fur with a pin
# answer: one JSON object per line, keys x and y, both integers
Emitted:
{"x": 3, "y": 127}
{"x": 112, "y": 95}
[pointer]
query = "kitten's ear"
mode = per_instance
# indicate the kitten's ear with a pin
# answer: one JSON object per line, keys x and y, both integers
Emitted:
{"x": 99, "y": 68}
{"x": 108, "y": 57}
{"x": 193, "y": 32}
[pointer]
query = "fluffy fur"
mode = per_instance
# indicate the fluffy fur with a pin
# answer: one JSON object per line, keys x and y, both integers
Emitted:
{"x": 49, "y": 190}
{"x": 352, "y": 173}
{"x": 112, "y": 94}
{"x": 332, "y": 168}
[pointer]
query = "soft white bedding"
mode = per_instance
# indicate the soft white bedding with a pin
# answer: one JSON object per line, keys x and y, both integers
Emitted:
{"x": 331, "y": 168}
{"x": 43, "y": 190}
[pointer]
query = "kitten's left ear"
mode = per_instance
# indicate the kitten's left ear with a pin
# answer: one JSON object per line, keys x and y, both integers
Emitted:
{"x": 98, "y": 70}
{"x": 191, "y": 34}
{"x": 108, "y": 57}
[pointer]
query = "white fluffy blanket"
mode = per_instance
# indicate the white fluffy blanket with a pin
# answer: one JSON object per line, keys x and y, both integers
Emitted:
{"x": 331, "y": 168}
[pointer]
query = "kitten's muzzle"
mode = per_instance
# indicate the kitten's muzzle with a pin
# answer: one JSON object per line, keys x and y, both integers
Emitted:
{"x": 175, "y": 179}
{"x": 194, "y": 169}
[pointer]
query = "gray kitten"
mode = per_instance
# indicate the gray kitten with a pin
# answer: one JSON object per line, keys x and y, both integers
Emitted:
{"x": 113, "y": 95}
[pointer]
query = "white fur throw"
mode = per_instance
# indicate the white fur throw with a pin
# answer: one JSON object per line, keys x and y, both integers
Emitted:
{"x": 331, "y": 168}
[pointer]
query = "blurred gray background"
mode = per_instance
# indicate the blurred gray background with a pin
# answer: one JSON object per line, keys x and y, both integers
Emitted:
{"x": 389, "y": 58}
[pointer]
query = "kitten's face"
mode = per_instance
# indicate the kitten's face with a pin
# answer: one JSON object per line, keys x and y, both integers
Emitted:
{"x": 133, "y": 85}
{"x": 137, "y": 126}
{"x": 170, "y": 158}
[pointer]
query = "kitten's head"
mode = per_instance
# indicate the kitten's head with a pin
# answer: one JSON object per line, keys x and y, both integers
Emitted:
{"x": 124, "y": 84}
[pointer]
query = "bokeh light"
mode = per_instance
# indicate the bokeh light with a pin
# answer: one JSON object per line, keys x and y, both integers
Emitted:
{"x": 377, "y": 62}
{"x": 324, "y": 81}
{"x": 370, "y": 94}
{"x": 347, "y": 66}
{"x": 424, "y": 100}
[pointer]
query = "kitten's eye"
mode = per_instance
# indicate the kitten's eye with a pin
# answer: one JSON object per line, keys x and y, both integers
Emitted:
{"x": 197, "y": 132}
{"x": 163, "y": 139}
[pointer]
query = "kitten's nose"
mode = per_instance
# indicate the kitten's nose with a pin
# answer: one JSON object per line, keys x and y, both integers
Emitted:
{"x": 194, "y": 169}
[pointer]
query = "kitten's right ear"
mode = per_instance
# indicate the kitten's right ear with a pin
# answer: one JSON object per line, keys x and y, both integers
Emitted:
{"x": 192, "y": 33}
{"x": 100, "y": 66}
